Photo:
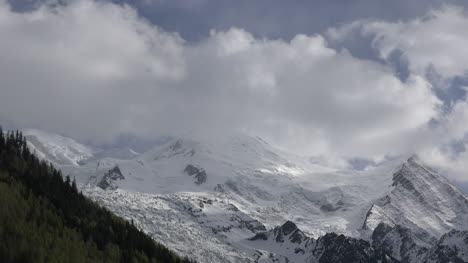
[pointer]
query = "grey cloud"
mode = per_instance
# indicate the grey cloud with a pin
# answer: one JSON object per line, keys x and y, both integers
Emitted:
{"x": 366, "y": 90}
{"x": 433, "y": 46}
{"x": 94, "y": 70}
{"x": 433, "y": 42}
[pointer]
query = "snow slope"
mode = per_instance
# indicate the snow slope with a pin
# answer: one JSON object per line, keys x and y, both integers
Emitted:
{"x": 270, "y": 185}
{"x": 57, "y": 149}
{"x": 420, "y": 208}
{"x": 206, "y": 198}
{"x": 421, "y": 198}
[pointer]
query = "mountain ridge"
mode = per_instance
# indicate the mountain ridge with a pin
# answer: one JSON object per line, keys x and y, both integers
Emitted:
{"x": 45, "y": 218}
{"x": 248, "y": 186}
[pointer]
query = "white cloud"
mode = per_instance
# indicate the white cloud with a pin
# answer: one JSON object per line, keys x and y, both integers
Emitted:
{"x": 447, "y": 152}
{"x": 436, "y": 41}
{"x": 80, "y": 69}
{"x": 433, "y": 46}
{"x": 453, "y": 165}
{"x": 95, "y": 69}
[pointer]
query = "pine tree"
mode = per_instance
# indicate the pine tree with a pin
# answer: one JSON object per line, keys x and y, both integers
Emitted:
{"x": 44, "y": 218}
{"x": 74, "y": 187}
{"x": 2, "y": 140}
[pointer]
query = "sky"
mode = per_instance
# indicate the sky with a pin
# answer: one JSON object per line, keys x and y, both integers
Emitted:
{"x": 362, "y": 81}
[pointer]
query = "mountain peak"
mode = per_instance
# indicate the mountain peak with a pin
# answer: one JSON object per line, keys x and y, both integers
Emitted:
{"x": 288, "y": 227}
{"x": 414, "y": 159}
{"x": 56, "y": 148}
{"x": 289, "y": 231}
{"x": 420, "y": 200}
{"x": 414, "y": 172}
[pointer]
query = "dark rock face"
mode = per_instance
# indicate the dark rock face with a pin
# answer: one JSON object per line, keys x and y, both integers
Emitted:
{"x": 201, "y": 177}
{"x": 421, "y": 206}
{"x": 398, "y": 241}
{"x": 252, "y": 225}
{"x": 198, "y": 173}
{"x": 107, "y": 181}
{"x": 334, "y": 248}
{"x": 191, "y": 169}
{"x": 330, "y": 248}
{"x": 452, "y": 247}
{"x": 401, "y": 243}
{"x": 289, "y": 230}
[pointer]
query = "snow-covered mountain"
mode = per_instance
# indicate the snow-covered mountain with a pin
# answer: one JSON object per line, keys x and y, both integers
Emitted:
{"x": 420, "y": 197}
{"x": 287, "y": 243}
{"x": 452, "y": 247}
{"x": 420, "y": 208}
{"x": 57, "y": 149}
{"x": 227, "y": 200}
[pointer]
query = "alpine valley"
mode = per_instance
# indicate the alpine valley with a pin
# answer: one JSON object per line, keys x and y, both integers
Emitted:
{"x": 240, "y": 199}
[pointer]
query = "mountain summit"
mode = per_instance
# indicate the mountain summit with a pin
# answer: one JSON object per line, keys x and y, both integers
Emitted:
{"x": 423, "y": 198}
{"x": 421, "y": 207}
{"x": 239, "y": 199}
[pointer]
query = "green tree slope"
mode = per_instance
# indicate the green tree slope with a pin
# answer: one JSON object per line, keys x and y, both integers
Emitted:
{"x": 44, "y": 218}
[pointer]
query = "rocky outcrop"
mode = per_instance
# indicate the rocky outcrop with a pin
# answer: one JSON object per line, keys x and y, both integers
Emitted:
{"x": 107, "y": 182}
{"x": 420, "y": 198}
{"x": 398, "y": 241}
{"x": 333, "y": 248}
{"x": 452, "y": 247}
{"x": 405, "y": 246}
{"x": 421, "y": 206}
{"x": 198, "y": 173}
{"x": 290, "y": 231}
{"x": 290, "y": 244}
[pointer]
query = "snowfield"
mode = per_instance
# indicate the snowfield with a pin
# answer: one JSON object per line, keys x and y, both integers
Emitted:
{"x": 207, "y": 199}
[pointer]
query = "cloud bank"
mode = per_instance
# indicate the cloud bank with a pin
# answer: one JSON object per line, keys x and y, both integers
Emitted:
{"x": 432, "y": 46}
{"x": 94, "y": 70}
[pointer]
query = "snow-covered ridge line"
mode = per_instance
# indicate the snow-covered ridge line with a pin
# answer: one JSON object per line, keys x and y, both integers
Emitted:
{"x": 57, "y": 149}
{"x": 212, "y": 196}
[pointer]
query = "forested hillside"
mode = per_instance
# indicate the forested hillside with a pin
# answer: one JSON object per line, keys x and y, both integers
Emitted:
{"x": 44, "y": 218}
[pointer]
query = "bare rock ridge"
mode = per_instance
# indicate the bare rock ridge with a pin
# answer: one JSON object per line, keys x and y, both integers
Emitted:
{"x": 108, "y": 180}
{"x": 289, "y": 230}
{"x": 292, "y": 245}
{"x": 229, "y": 200}
{"x": 452, "y": 247}
{"x": 198, "y": 173}
{"x": 412, "y": 217}
{"x": 398, "y": 241}
{"x": 287, "y": 243}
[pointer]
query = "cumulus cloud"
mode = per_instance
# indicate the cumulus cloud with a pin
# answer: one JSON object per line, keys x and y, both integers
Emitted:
{"x": 93, "y": 70}
{"x": 433, "y": 46}
{"x": 446, "y": 150}
{"x": 453, "y": 165}
{"x": 82, "y": 69}
{"x": 435, "y": 41}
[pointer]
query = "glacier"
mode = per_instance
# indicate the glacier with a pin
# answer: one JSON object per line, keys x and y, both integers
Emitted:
{"x": 209, "y": 198}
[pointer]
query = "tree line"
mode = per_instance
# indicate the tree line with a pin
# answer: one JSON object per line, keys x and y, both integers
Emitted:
{"x": 45, "y": 218}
